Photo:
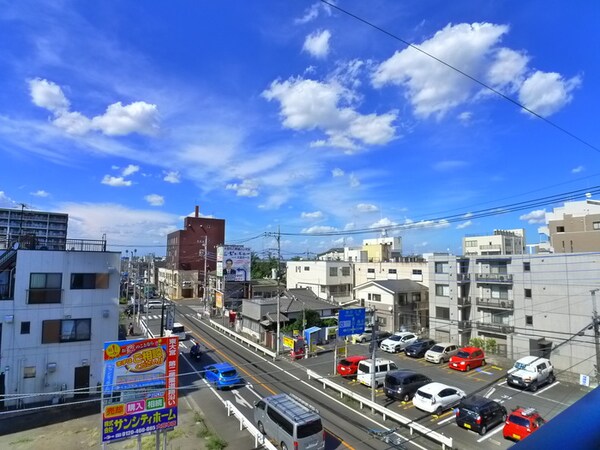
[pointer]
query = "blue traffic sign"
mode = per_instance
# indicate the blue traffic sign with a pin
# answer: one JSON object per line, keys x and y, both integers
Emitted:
{"x": 351, "y": 321}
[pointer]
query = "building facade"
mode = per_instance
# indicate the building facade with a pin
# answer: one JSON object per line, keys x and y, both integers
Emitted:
{"x": 406, "y": 268}
{"x": 33, "y": 228}
{"x": 329, "y": 280}
{"x": 57, "y": 309}
{"x": 574, "y": 227}
{"x": 500, "y": 242}
{"x": 528, "y": 304}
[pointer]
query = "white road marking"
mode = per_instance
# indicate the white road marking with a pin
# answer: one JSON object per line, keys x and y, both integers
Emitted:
{"x": 447, "y": 419}
{"x": 500, "y": 384}
{"x": 490, "y": 392}
{"x": 239, "y": 399}
{"x": 546, "y": 388}
{"x": 489, "y": 435}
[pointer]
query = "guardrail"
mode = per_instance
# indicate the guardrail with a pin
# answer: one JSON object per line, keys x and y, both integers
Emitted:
{"x": 248, "y": 342}
{"x": 445, "y": 441}
{"x": 259, "y": 438}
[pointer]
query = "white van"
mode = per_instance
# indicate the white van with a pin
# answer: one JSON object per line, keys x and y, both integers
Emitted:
{"x": 289, "y": 421}
{"x": 382, "y": 367}
{"x": 177, "y": 330}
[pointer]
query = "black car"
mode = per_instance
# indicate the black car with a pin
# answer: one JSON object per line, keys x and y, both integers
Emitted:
{"x": 418, "y": 348}
{"x": 479, "y": 414}
{"x": 402, "y": 384}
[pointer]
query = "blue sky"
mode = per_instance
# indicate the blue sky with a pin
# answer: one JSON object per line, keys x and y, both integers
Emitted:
{"x": 292, "y": 114}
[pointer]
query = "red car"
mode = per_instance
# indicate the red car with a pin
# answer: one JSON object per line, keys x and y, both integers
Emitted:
{"x": 521, "y": 423}
{"x": 347, "y": 367}
{"x": 467, "y": 358}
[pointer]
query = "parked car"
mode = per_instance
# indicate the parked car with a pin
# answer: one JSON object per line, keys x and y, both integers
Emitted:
{"x": 222, "y": 375}
{"x": 467, "y": 358}
{"x": 367, "y": 336}
{"x": 521, "y": 423}
{"x": 402, "y": 384}
{"x": 398, "y": 341}
{"x": 479, "y": 414}
{"x": 347, "y": 367}
{"x": 531, "y": 372}
{"x": 437, "y": 397}
{"x": 441, "y": 352}
{"x": 382, "y": 367}
{"x": 418, "y": 348}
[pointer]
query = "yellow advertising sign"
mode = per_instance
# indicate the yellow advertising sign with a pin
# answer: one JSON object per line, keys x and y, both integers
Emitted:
{"x": 219, "y": 299}
{"x": 288, "y": 342}
{"x": 342, "y": 352}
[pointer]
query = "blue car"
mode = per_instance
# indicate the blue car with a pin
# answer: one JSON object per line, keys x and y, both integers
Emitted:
{"x": 222, "y": 375}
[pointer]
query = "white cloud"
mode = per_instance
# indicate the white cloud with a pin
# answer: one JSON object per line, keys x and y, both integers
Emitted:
{"x": 155, "y": 199}
{"x": 308, "y": 105}
{"x": 536, "y": 216}
{"x": 6, "y": 201}
{"x": 349, "y": 226}
{"x": 319, "y": 229}
{"x": 366, "y": 207}
{"x": 343, "y": 241}
{"x": 467, "y": 215}
{"x": 312, "y": 12}
{"x": 115, "y": 181}
{"x": 354, "y": 181}
{"x": 465, "y": 117}
{"x": 130, "y": 170}
{"x": 172, "y": 177}
{"x": 337, "y": 172}
{"x": 312, "y": 215}
{"x": 578, "y": 169}
{"x": 248, "y": 188}
{"x": 433, "y": 88}
{"x": 508, "y": 70}
{"x": 545, "y": 93}
{"x": 40, "y": 193}
{"x": 317, "y": 43}
{"x": 48, "y": 95}
{"x": 118, "y": 120}
{"x": 445, "y": 166}
{"x": 465, "y": 224}
{"x": 383, "y": 222}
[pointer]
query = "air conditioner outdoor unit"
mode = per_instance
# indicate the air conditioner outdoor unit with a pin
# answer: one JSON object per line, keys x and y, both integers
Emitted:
{"x": 503, "y": 304}
{"x": 505, "y": 330}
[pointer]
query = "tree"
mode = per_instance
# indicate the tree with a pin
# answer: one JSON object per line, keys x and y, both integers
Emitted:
{"x": 261, "y": 268}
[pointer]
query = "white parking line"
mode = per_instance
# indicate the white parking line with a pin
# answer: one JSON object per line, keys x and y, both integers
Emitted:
{"x": 447, "y": 419}
{"x": 490, "y": 392}
{"x": 489, "y": 435}
{"x": 546, "y": 388}
{"x": 500, "y": 384}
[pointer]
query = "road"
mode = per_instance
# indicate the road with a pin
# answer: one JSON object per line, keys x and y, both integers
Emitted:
{"x": 346, "y": 425}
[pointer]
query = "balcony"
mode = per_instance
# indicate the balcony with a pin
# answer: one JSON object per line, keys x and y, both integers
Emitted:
{"x": 463, "y": 277}
{"x": 502, "y": 278}
{"x": 494, "y": 303}
{"x": 499, "y": 328}
{"x": 463, "y": 301}
{"x": 464, "y": 325}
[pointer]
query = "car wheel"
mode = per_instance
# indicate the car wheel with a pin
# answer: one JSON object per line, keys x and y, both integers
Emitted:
{"x": 406, "y": 398}
{"x": 363, "y": 340}
{"x": 551, "y": 378}
{"x": 483, "y": 362}
{"x": 439, "y": 411}
{"x": 260, "y": 427}
{"x": 533, "y": 387}
{"x": 483, "y": 430}
{"x": 283, "y": 446}
{"x": 468, "y": 368}
{"x": 504, "y": 417}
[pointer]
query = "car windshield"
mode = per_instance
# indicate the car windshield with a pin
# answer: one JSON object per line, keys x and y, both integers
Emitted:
{"x": 527, "y": 367}
{"x": 518, "y": 420}
{"x": 463, "y": 354}
{"x": 464, "y": 412}
{"x": 424, "y": 394}
{"x": 229, "y": 373}
{"x": 310, "y": 429}
{"x": 345, "y": 362}
{"x": 395, "y": 338}
{"x": 178, "y": 329}
{"x": 437, "y": 349}
{"x": 364, "y": 368}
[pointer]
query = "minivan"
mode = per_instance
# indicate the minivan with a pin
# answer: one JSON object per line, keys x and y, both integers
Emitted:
{"x": 382, "y": 367}
{"x": 402, "y": 384}
{"x": 441, "y": 352}
{"x": 479, "y": 414}
{"x": 290, "y": 422}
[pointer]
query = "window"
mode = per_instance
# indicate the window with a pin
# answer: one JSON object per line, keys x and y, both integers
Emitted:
{"x": 596, "y": 225}
{"x": 470, "y": 243}
{"x": 67, "y": 330}
{"x": 374, "y": 297}
{"x": 29, "y": 372}
{"x": 298, "y": 269}
{"x": 528, "y": 320}
{"x": 89, "y": 281}
{"x": 499, "y": 292}
{"x": 392, "y": 271}
{"x": 44, "y": 288}
{"x": 441, "y": 267}
{"x": 560, "y": 229}
{"x": 25, "y": 327}
{"x": 306, "y": 268}
{"x": 442, "y": 313}
{"x": 323, "y": 289}
{"x": 345, "y": 271}
{"x": 417, "y": 272}
{"x": 416, "y": 296}
{"x": 333, "y": 271}
{"x": 526, "y": 266}
{"x": 442, "y": 290}
{"x": 371, "y": 270}
{"x": 527, "y": 293}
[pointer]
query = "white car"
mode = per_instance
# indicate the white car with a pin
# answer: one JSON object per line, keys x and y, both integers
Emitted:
{"x": 437, "y": 397}
{"x": 152, "y": 304}
{"x": 398, "y": 342}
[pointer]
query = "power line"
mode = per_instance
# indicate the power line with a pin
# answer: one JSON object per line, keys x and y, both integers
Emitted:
{"x": 463, "y": 73}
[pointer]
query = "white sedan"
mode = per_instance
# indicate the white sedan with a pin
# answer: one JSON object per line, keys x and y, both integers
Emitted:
{"x": 437, "y": 397}
{"x": 398, "y": 341}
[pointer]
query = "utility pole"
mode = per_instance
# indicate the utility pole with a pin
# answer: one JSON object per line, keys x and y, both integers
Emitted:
{"x": 278, "y": 337}
{"x": 374, "y": 336}
{"x": 596, "y": 333}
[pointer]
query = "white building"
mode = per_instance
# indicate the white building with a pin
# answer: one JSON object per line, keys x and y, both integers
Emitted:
{"x": 406, "y": 268}
{"x": 57, "y": 310}
{"x": 500, "y": 242}
{"x": 329, "y": 280}
{"x": 528, "y": 304}
{"x": 31, "y": 228}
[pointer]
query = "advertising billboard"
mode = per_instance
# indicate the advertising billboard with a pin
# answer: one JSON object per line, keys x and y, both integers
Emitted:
{"x": 233, "y": 262}
{"x": 139, "y": 392}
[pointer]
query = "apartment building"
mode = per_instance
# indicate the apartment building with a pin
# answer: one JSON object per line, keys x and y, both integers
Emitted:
{"x": 574, "y": 227}
{"x": 57, "y": 308}
{"x": 500, "y": 242}
{"x": 329, "y": 280}
{"x": 33, "y": 228}
{"x": 528, "y": 304}
{"x": 414, "y": 268}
